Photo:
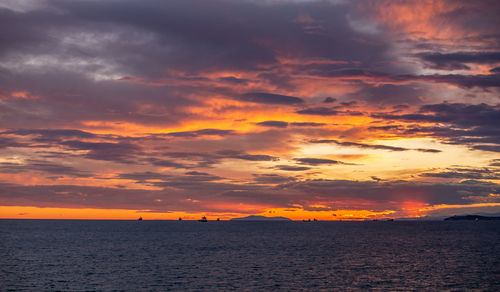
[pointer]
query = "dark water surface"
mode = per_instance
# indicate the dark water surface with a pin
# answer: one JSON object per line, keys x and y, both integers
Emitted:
{"x": 76, "y": 255}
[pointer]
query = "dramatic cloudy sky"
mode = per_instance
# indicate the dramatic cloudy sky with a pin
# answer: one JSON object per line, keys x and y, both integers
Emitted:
{"x": 305, "y": 109}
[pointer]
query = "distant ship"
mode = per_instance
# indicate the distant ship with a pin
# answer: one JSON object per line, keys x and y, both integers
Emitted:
{"x": 180, "y": 219}
{"x": 140, "y": 219}
{"x": 203, "y": 219}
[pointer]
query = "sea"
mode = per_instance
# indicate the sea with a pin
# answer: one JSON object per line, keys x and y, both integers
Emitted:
{"x": 109, "y": 255}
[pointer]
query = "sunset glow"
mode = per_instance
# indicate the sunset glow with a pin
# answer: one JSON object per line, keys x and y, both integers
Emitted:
{"x": 334, "y": 110}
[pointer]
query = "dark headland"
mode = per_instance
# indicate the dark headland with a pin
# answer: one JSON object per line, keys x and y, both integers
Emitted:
{"x": 472, "y": 218}
{"x": 260, "y": 218}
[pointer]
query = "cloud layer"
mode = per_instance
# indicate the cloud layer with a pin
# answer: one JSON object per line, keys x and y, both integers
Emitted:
{"x": 231, "y": 107}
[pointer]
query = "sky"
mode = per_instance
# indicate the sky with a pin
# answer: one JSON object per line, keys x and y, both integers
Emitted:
{"x": 335, "y": 110}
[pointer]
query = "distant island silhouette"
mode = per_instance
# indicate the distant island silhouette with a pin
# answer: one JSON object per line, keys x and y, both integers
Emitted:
{"x": 471, "y": 218}
{"x": 261, "y": 218}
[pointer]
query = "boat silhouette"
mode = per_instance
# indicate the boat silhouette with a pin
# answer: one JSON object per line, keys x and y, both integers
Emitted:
{"x": 140, "y": 219}
{"x": 203, "y": 219}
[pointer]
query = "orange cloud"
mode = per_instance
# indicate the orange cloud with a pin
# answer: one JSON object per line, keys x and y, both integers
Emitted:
{"x": 418, "y": 19}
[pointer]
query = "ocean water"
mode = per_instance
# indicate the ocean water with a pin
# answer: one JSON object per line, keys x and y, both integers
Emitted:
{"x": 83, "y": 255}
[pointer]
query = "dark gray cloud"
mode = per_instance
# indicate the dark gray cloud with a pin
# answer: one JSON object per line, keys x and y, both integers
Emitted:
{"x": 317, "y": 161}
{"x": 495, "y": 162}
{"x": 391, "y": 94}
{"x": 70, "y": 138}
{"x": 467, "y": 81}
{"x": 361, "y": 145}
{"x": 491, "y": 148}
{"x": 234, "y": 154}
{"x": 275, "y": 124}
{"x": 204, "y": 159}
{"x": 319, "y": 111}
{"x": 269, "y": 98}
{"x": 329, "y": 100}
{"x": 400, "y": 107}
{"x": 291, "y": 167}
{"x": 371, "y": 146}
{"x": 428, "y": 150}
{"x": 464, "y": 114}
{"x": 50, "y": 135}
{"x": 325, "y": 111}
{"x": 325, "y": 71}
{"x": 199, "y": 158}
{"x": 168, "y": 163}
{"x": 198, "y": 133}
{"x": 144, "y": 176}
{"x": 152, "y": 178}
{"x": 10, "y": 142}
{"x": 196, "y": 173}
{"x": 234, "y": 80}
{"x": 308, "y": 124}
{"x": 465, "y": 173}
{"x": 386, "y": 128}
{"x": 271, "y": 178}
{"x": 474, "y": 125}
{"x": 119, "y": 152}
{"x": 20, "y": 32}
{"x": 458, "y": 60}
{"x": 42, "y": 166}
{"x": 348, "y": 103}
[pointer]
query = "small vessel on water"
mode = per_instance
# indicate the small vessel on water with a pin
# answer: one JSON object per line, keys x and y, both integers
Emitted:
{"x": 180, "y": 219}
{"x": 203, "y": 219}
{"x": 218, "y": 219}
{"x": 140, "y": 219}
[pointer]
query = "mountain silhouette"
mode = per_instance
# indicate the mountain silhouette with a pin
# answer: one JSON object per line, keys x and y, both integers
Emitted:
{"x": 261, "y": 218}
